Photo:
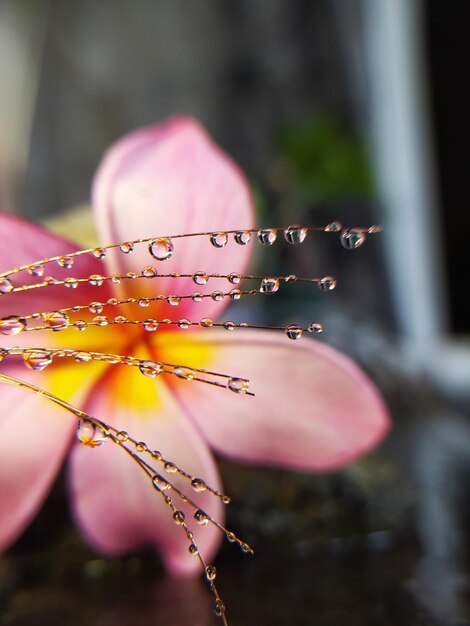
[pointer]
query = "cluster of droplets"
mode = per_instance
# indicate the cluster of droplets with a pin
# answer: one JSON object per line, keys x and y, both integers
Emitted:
{"x": 91, "y": 431}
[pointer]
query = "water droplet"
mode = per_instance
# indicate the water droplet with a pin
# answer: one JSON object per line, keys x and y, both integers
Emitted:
{"x": 229, "y": 325}
{"x": 95, "y": 307}
{"x": 37, "y": 359}
{"x": 96, "y": 280}
{"x": 226, "y": 499}
{"x": 71, "y": 283}
{"x": 267, "y": 236}
{"x": 234, "y": 278}
{"x": 6, "y": 285}
{"x": 352, "y": 238}
{"x": 126, "y": 247}
{"x": 217, "y": 296}
{"x": 327, "y": 283}
{"x": 179, "y": 517}
{"x": 333, "y": 227}
{"x": 157, "y": 455}
{"x": 143, "y": 302}
{"x": 246, "y": 548}
{"x": 57, "y": 320}
{"x": 160, "y": 483}
{"x": 151, "y": 369}
{"x": 231, "y": 537}
{"x": 161, "y": 249}
{"x": 238, "y": 385}
{"x": 82, "y": 357}
{"x": 116, "y": 279}
{"x": 197, "y": 297}
{"x": 122, "y": 436}
{"x": 201, "y": 517}
{"x": 235, "y": 294}
{"x": 150, "y": 325}
{"x": 100, "y": 320}
{"x": 198, "y": 485}
{"x": 219, "y": 240}
{"x": 375, "y": 228}
{"x": 131, "y": 275}
{"x": 149, "y": 271}
{"x": 170, "y": 467}
{"x": 294, "y": 332}
{"x": 206, "y": 322}
{"x": 295, "y": 234}
{"x": 219, "y": 607}
{"x": 184, "y": 372}
{"x": 80, "y": 325}
{"x": 50, "y": 280}
{"x": 193, "y": 549}
{"x": 315, "y": 328}
{"x": 12, "y": 325}
{"x": 120, "y": 319}
{"x": 36, "y": 270}
{"x": 65, "y": 262}
{"x": 269, "y": 285}
{"x": 200, "y": 278}
{"x": 211, "y": 572}
{"x": 99, "y": 253}
{"x": 242, "y": 237}
{"x": 184, "y": 324}
{"x": 173, "y": 300}
{"x": 90, "y": 434}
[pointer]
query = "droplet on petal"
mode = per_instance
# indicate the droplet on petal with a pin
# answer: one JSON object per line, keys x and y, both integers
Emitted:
{"x": 126, "y": 247}
{"x": 267, "y": 236}
{"x": 242, "y": 237}
{"x": 179, "y": 517}
{"x": 206, "y": 322}
{"x": 173, "y": 300}
{"x": 160, "y": 483}
{"x": 327, "y": 283}
{"x": 219, "y": 240}
{"x": 170, "y": 467}
{"x": 99, "y": 253}
{"x": 120, "y": 319}
{"x": 184, "y": 324}
{"x": 235, "y": 294}
{"x": 95, "y": 307}
{"x": 197, "y": 297}
{"x": 100, "y": 320}
{"x": 37, "y": 359}
{"x": 151, "y": 369}
{"x": 12, "y": 325}
{"x": 184, "y": 372}
{"x": 295, "y": 234}
{"x": 56, "y": 320}
{"x": 143, "y": 302}
{"x": 234, "y": 278}
{"x": 229, "y": 325}
{"x": 217, "y": 296}
{"x": 90, "y": 434}
{"x": 294, "y": 332}
{"x": 161, "y": 249}
{"x": 193, "y": 549}
{"x": 6, "y": 285}
{"x": 71, "y": 283}
{"x": 269, "y": 285}
{"x": 200, "y": 278}
{"x": 352, "y": 238}
{"x": 238, "y": 385}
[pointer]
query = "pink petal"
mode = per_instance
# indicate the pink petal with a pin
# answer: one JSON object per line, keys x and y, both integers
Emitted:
{"x": 114, "y": 501}
{"x": 169, "y": 179}
{"x": 34, "y": 437}
{"x": 314, "y": 408}
{"x": 24, "y": 242}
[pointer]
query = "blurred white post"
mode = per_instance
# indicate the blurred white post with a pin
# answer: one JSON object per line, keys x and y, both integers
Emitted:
{"x": 402, "y": 154}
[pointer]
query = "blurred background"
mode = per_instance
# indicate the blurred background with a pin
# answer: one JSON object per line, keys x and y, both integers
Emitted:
{"x": 336, "y": 109}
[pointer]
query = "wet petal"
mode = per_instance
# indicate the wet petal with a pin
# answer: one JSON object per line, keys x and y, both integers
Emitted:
{"x": 114, "y": 501}
{"x": 169, "y": 179}
{"x": 314, "y": 408}
{"x": 24, "y": 242}
{"x": 34, "y": 437}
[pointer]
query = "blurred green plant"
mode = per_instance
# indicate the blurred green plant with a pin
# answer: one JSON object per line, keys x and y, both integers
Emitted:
{"x": 323, "y": 162}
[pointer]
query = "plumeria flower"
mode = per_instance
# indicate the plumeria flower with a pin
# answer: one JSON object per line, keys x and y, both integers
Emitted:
{"x": 314, "y": 410}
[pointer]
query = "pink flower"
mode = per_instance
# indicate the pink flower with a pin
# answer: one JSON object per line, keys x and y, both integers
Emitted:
{"x": 314, "y": 409}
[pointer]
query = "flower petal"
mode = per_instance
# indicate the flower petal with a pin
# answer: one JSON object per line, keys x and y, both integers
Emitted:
{"x": 172, "y": 179}
{"x": 24, "y": 242}
{"x": 114, "y": 501}
{"x": 34, "y": 437}
{"x": 314, "y": 408}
